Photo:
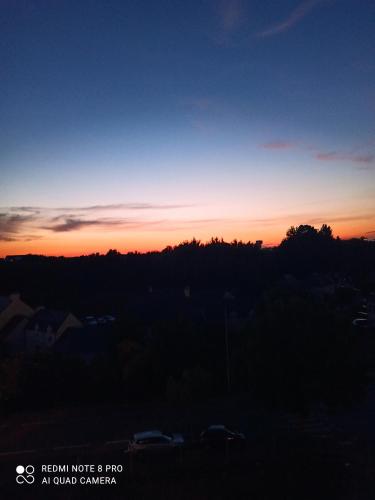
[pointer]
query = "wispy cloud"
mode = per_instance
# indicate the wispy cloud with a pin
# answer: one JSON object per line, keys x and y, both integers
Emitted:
{"x": 278, "y": 145}
{"x": 312, "y": 219}
{"x": 97, "y": 208}
{"x": 32, "y": 210}
{"x": 22, "y": 223}
{"x": 230, "y": 14}
{"x": 74, "y": 224}
{"x": 330, "y": 219}
{"x": 294, "y": 18}
{"x": 337, "y": 156}
{"x": 27, "y": 223}
{"x": 230, "y": 21}
{"x": 7, "y": 238}
{"x": 12, "y": 223}
{"x": 106, "y": 224}
{"x": 121, "y": 206}
{"x": 361, "y": 158}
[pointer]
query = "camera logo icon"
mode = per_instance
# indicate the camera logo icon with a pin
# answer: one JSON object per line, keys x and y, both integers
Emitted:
{"x": 25, "y": 474}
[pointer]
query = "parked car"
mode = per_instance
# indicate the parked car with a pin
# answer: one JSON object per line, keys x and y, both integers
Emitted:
{"x": 154, "y": 442}
{"x": 220, "y": 437}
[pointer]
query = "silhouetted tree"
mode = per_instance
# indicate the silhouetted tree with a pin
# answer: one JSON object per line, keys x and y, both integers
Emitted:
{"x": 299, "y": 353}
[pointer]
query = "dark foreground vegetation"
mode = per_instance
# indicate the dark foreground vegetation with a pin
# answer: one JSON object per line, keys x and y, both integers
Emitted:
{"x": 199, "y": 320}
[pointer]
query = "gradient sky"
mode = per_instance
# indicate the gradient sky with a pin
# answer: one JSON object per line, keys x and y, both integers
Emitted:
{"x": 137, "y": 124}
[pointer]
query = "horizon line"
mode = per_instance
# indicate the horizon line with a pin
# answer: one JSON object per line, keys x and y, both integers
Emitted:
{"x": 173, "y": 246}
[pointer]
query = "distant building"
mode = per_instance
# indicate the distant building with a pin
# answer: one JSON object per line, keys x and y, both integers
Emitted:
{"x": 46, "y": 327}
{"x": 14, "y": 258}
{"x": 85, "y": 343}
{"x": 23, "y": 329}
{"x": 13, "y": 307}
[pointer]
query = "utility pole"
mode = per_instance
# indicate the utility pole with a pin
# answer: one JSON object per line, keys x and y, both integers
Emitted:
{"x": 227, "y": 296}
{"x": 227, "y": 345}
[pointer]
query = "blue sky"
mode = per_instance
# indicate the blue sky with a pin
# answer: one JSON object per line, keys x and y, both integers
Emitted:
{"x": 237, "y": 117}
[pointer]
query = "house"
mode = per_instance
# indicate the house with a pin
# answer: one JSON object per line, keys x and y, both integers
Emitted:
{"x": 85, "y": 343}
{"x": 12, "y": 335}
{"x": 46, "y": 327}
{"x": 12, "y": 307}
{"x": 14, "y": 258}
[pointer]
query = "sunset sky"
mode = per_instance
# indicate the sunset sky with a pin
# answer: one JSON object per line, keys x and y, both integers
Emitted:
{"x": 138, "y": 124}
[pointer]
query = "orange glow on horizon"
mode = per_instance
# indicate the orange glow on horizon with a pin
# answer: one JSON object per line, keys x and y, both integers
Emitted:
{"x": 71, "y": 244}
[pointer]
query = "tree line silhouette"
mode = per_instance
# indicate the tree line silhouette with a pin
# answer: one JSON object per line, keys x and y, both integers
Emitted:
{"x": 98, "y": 282}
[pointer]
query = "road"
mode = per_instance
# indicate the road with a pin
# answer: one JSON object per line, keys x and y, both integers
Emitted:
{"x": 339, "y": 448}
{"x": 93, "y": 428}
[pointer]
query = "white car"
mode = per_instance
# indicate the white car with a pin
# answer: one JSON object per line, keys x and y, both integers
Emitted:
{"x": 154, "y": 442}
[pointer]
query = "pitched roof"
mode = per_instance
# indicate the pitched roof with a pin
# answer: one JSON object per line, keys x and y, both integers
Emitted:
{"x": 47, "y": 317}
{"x": 12, "y": 325}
